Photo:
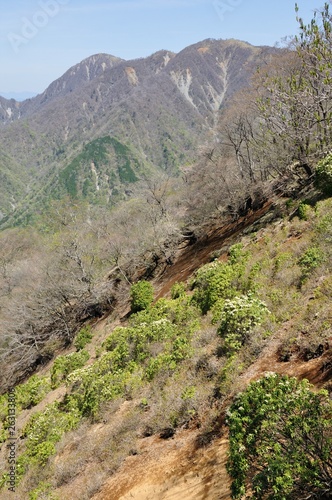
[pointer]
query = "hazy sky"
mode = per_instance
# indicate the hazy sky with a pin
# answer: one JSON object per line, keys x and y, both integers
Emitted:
{"x": 41, "y": 39}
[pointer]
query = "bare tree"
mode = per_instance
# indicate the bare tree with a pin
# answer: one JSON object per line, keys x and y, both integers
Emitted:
{"x": 295, "y": 102}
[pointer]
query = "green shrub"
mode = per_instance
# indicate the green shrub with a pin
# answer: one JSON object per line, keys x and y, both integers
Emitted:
{"x": 217, "y": 311}
{"x": 311, "y": 259}
{"x": 93, "y": 385}
{"x": 134, "y": 343}
{"x": 180, "y": 349}
{"x": 141, "y": 294}
{"x": 283, "y": 260}
{"x": 4, "y": 434}
{"x": 63, "y": 365}
{"x": 120, "y": 368}
{"x": 180, "y": 312}
{"x": 178, "y": 290}
{"x": 188, "y": 393}
{"x": 289, "y": 203}
{"x": 83, "y": 338}
{"x": 324, "y": 228}
{"x": 158, "y": 338}
{"x": 324, "y": 175}
{"x": 32, "y": 392}
{"x": 212, "y": 282}
{"x": 229, "y": 374}
{"x": 237, "y": 255}
{"x": 163, "y": 361}
{"x": 280, "y": 440}
{"x": 251, "y": 283}
{"x": 173, "y": 353}
{"x": 303, "y": 211}
{"x": 44, "y": 488}
{"x": 218, "y": 280}
{"x": 44, "y": 430}
{"x": 238, "y": 317}
{"x": 27, "y": 395}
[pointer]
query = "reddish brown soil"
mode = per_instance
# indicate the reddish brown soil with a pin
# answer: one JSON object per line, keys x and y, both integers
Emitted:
{"x": 193, "y": 256}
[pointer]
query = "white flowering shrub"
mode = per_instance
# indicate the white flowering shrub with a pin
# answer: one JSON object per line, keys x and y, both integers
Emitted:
{"x": 238, "y": 318}
{"x": 158, "y": 339}
{"x": 64, "y": 365}
{"x": 43, "y": 430}
{"x": 280, "y": 440}
{"x": 219, "y": 280}
{"x": 212, "y": 282}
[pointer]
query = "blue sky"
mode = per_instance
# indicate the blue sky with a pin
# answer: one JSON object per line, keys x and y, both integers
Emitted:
{"x": 41, "y": 39}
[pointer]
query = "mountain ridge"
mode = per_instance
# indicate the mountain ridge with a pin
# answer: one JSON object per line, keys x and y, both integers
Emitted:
{"x": 161, "y": 107}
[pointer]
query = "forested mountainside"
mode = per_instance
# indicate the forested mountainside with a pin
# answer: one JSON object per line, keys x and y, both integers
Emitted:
{"x": 172, "y": 338}
{"x": 107, "y": 122}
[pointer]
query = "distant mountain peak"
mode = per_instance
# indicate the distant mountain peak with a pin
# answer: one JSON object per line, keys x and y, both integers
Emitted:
{"x": 79, "y": 74}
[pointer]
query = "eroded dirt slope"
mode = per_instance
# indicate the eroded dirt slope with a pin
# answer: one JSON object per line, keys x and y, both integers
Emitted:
{"x": 176, "y": 469}
{"x": 170, "y": 470}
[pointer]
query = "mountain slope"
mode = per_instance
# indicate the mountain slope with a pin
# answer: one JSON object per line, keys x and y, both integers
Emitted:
{"x": 153, "y": 388}
{"x": 160, "y": 107}
{"x": 86, "y": 71}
